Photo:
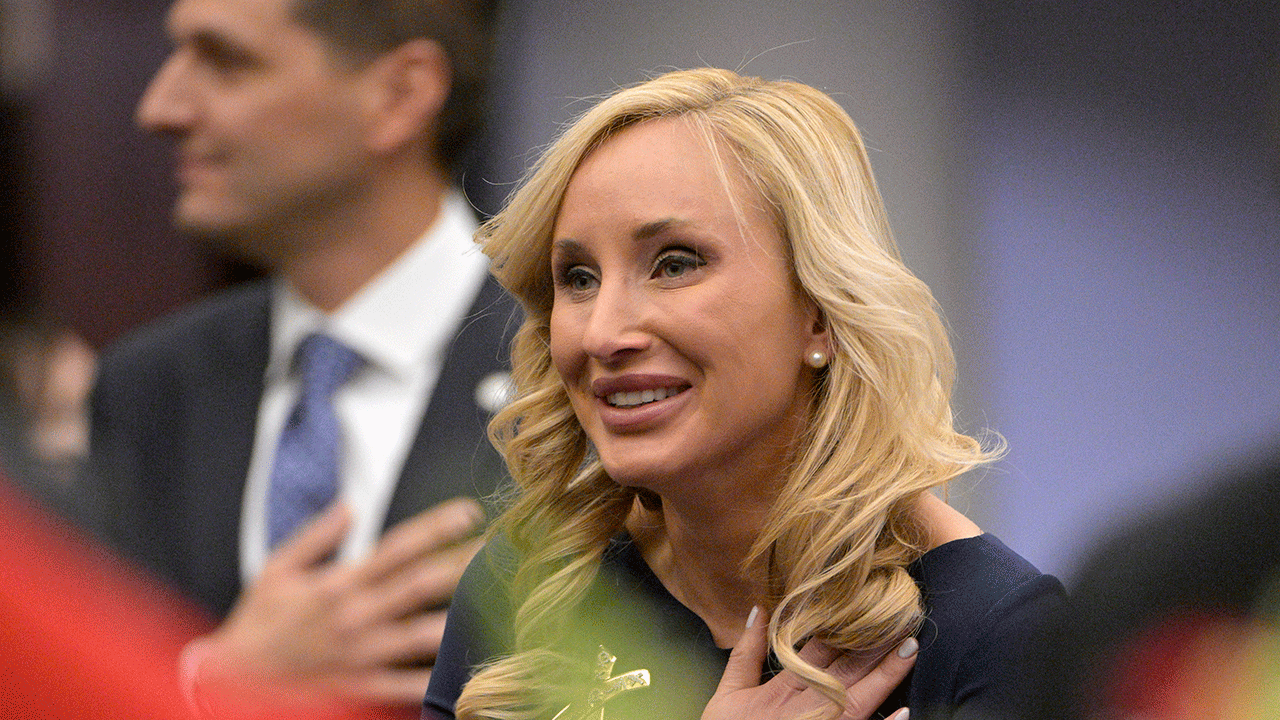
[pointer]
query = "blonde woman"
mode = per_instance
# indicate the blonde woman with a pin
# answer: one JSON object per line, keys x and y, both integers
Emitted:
{"x": 732, "y": 407}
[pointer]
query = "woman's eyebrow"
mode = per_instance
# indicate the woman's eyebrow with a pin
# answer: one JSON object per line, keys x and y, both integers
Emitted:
{"x": 566, "y": 246}
{"x": 657, "y": 227}
{"x": 569, "y": 247}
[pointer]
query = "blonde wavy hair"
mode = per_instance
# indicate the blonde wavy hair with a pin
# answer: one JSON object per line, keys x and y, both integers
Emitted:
{"x": 833, "y": 552}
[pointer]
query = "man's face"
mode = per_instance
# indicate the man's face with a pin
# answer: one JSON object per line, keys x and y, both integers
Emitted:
{"x": 269, "y": 124}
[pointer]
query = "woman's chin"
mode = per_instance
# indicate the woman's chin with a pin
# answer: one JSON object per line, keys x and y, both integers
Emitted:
{"x": 640, "y": 477}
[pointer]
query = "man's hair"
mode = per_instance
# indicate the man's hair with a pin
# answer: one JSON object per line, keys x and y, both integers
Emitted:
{"x": 365, "y": 29}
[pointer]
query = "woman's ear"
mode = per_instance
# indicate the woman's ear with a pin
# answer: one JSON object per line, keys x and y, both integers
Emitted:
{"x": 820, "y": 337}
{"x": 409, "y": 88}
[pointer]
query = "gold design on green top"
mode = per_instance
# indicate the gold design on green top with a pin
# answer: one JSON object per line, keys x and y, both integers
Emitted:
{"x": 606, "y": 688}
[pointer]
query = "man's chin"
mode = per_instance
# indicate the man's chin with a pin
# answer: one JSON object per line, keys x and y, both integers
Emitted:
{"x": 218, "y": 230}
{"x": 194, "y": 214}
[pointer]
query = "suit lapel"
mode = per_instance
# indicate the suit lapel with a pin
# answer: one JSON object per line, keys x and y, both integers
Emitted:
{"x": 226, "y": 394}
{"x": 451, "y": 453}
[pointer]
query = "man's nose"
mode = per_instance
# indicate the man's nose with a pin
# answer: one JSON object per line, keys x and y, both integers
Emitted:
{"x": 167, "y": 105}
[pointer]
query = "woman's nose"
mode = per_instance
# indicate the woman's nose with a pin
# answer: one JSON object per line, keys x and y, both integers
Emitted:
{"x": 616, "y": 325}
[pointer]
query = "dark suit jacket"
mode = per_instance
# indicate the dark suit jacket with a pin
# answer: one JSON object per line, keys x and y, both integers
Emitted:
{"x": 174, "y": 414}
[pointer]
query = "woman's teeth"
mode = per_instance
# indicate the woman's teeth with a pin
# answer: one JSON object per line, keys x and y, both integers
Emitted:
{"x": 639, "y": 397}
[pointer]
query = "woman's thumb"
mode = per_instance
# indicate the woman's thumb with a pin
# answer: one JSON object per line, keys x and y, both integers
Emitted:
{"x": 747, "y": 659}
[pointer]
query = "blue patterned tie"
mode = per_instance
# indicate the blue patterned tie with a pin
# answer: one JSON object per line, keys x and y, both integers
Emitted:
{"x": 304, "y": 477}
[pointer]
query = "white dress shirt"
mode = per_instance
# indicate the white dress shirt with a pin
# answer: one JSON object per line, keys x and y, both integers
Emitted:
{"x": 401, "y": 323}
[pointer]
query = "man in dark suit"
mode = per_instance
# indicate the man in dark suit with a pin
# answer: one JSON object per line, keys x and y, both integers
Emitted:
{"x": 318, "y": 139}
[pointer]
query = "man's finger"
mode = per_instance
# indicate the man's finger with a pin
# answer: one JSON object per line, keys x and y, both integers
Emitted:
{"x": 428, "y": 583}
{"x": 746, "y": 661}
{"x": 398, "y": 686}
{"x": 429, "y": 531}
{"x": 316, "y": 541}
{"x": 412, "y": 640}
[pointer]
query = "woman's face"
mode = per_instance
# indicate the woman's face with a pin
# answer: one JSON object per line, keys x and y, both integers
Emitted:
{"x": 676, "y": 325}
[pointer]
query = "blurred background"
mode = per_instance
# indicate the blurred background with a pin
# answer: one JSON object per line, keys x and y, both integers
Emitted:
{"x": 1090, "y": 188}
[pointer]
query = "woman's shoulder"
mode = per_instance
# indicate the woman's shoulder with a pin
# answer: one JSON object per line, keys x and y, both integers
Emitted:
{"x": 941, "y": 523}
{"x": 988, "y": 612}
{"x": 966, "y": 571}
{"x": 981, "y": 571}
{"x": 478, "y": 628}
{"x": 489, "y": 573}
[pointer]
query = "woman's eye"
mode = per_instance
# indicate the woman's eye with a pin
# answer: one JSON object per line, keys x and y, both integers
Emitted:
{"x": 577, "y": 279}
{"x": 675, "y": 264}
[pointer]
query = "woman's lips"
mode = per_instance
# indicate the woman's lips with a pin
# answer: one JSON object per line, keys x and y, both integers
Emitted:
{"x": 637, "y": 388}
{"x": 631, "y": 400}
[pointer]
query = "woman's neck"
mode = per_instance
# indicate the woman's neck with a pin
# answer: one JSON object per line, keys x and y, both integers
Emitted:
{"x": 699, "y": 553}
{"x": 698, "y": 550}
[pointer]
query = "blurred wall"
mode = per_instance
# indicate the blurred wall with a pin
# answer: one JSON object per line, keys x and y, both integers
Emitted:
{"x": 103, "y": 256}
{"x": 1125, "y": 184}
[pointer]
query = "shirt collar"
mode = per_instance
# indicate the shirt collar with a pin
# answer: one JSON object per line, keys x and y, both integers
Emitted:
{"x": 404, "y": 317}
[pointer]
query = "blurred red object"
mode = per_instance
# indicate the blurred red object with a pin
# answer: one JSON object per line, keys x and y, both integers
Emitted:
{"x": 85, "y": 635}
{"x": 82, "y": 634}
{"x": 1196, "y": 665}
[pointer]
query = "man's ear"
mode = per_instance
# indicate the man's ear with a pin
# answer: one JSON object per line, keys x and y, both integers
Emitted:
{"x": 409, "y": 87}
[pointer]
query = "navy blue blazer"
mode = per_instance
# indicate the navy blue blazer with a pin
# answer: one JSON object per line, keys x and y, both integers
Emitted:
{"x": 174, "y": 413}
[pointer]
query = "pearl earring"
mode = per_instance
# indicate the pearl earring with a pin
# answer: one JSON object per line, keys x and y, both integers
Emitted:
{"x": 817, "y": 359}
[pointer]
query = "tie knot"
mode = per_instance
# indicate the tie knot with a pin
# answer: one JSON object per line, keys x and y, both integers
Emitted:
{"x": 325, "y": 364}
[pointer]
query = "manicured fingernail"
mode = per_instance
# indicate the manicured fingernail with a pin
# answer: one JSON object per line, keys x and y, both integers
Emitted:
{"x": 751, "y": 618}
{"x": 906, "y": 650}
{"x": 902, "y": 714}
